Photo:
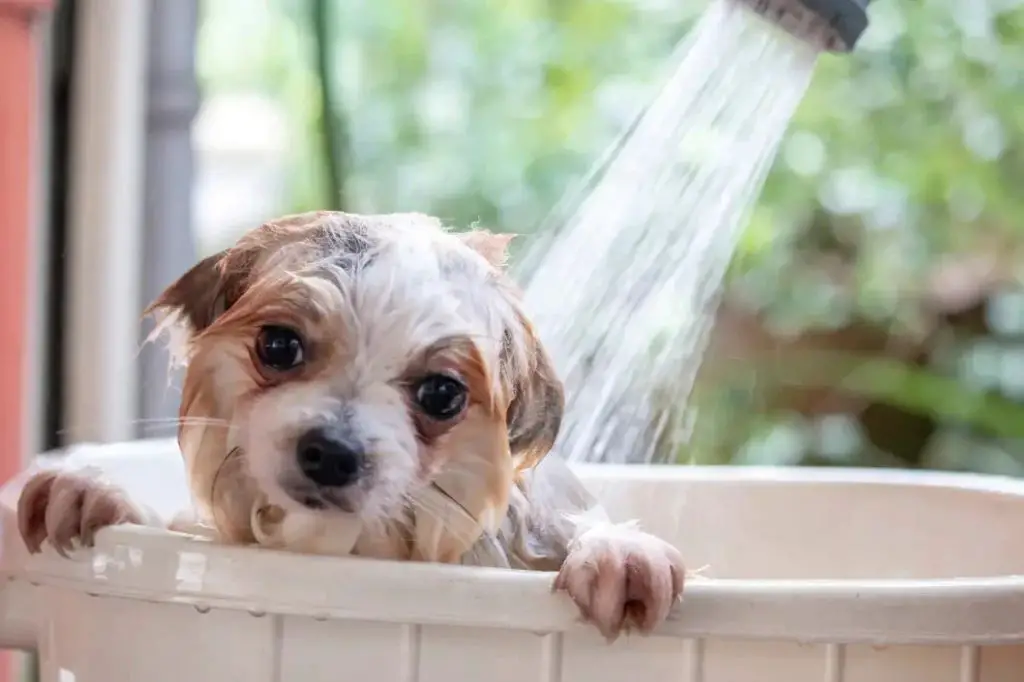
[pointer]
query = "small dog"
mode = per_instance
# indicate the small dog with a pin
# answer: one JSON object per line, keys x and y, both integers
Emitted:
{"x": 370, "y": 385}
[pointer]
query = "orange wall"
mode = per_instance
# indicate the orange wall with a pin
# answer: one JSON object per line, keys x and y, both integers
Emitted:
{"x": 18, "y": 62}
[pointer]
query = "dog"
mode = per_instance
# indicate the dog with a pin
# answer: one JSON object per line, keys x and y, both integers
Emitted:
{"x": 371, "y": 385}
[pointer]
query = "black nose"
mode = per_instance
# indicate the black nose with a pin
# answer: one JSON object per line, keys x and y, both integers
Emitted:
{"x": 328, "y": 458}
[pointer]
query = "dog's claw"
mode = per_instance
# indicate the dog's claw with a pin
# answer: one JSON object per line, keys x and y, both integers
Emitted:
{"x": 621, "y": 579}
{"x": 68, "y": 508}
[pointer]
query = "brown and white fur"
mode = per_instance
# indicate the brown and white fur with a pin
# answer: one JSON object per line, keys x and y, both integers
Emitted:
{"x": 386, "y": 316}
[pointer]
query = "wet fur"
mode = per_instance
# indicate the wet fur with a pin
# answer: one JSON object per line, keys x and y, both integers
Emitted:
{"x": 310, "y": 267}
{"x": 381, "y": 299}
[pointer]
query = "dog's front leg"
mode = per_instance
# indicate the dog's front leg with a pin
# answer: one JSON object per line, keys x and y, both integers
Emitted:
{"x": 620, "y": 577}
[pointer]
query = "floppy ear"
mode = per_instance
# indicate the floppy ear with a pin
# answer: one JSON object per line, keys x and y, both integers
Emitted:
{"x": 493, "y": 247}
{"x": 535, "y": 414}
{"x": 195, "y": 297}
{"x": 203, "y": 293}
{"x": 222, "y": 493}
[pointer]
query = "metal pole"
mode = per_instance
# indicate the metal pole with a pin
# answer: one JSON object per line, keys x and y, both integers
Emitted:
{"x": 105, "y": 229}
{"x": 169, "y": 244}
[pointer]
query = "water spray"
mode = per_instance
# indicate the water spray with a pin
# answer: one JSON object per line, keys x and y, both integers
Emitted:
{"x": 831, "y": 25}
{"x": 625, "y": 291}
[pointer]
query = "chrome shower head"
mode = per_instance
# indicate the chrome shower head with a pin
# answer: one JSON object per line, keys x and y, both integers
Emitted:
{"x": 831, "y": 25}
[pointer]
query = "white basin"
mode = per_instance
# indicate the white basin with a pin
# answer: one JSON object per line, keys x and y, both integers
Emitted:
{"x": 811, "y": 574}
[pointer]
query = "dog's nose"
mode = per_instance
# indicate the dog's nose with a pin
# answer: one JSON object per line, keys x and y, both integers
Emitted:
{"x": 328, "y": 458}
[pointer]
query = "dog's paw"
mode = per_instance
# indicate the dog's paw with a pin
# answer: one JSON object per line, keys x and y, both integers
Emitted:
{"x": 68, "y": 508}
{"x": 622, "y": 578}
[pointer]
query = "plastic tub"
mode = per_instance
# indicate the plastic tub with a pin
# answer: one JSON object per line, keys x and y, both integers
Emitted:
{"x": 834, "y": 575}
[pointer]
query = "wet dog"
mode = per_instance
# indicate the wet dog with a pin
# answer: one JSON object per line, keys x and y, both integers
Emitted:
{"x": 371, "y": 385}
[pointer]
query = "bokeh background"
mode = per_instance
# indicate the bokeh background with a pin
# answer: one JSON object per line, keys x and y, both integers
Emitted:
{"x": 874, "y": 313}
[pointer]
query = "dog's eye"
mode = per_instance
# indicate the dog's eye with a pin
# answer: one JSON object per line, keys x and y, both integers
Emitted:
{"x": 279, "y": 348}
{"x": 441, "y": 397}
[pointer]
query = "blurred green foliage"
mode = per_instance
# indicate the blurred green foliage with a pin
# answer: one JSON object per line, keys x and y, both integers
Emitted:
{"x": 894, "y": 205}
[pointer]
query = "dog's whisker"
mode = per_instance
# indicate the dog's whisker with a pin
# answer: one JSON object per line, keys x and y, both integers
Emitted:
{"x": 440, "y": 511}
{"x": 467, "y": 476}
{"x": 234, "y": 458}
{"x": 453, "y": 531}
{"x": 172, "y": 429}
{"x": 175, "y": 421}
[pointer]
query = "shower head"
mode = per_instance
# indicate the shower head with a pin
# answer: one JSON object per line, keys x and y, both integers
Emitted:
{"x": 832, "y": 25}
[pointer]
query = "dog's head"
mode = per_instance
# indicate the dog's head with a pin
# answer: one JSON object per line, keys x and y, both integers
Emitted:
{"x": 343, "y": 363}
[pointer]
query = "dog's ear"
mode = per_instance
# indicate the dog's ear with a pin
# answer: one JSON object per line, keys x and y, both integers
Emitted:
{"x": 535, "y": 413}
{"x": 196, "y": 296}
{"x": 206, "y": 291}
{"x": 493, "y": 247}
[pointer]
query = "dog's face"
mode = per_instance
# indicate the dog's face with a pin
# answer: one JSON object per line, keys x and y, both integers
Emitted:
{"x": 341, "y": 363}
